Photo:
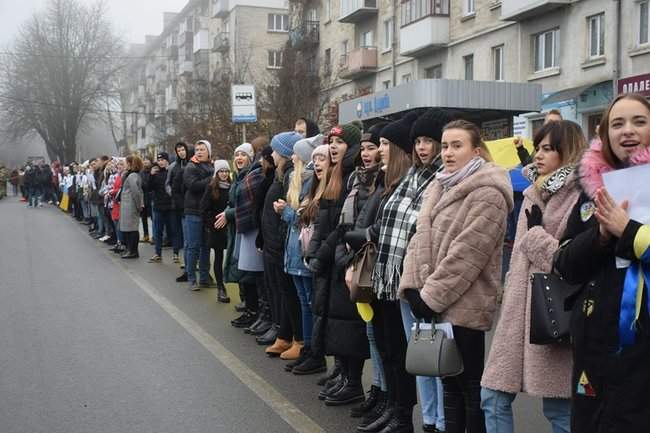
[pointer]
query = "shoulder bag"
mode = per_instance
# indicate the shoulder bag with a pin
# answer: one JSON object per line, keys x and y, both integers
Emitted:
{"x": 431, "y": 353}
{"x": 362, "y": 267}
{"x": 549, "y": 320}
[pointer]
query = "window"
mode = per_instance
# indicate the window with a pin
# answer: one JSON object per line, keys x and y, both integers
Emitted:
{"x": 275, "y": 59}
{"x": 469, "y": 7}
{"x": 327, "y": 65}
{"x": 385, "y": 84}
{"x": 143, "y": 132}
{"x": 327, "y": 9}
{"x": 469, "y": 66}
{"x": 413, "y": 10}
{"x": 497, "y": 58}
{"x": 388, "y": 35}
{"x": 344, "y": 53}
{"x": 596, "y": 35}
{"x": 278, "y": 23}
{"x": 547, "y": 50}
{"x": 367, "y": 39}
{"x": 433, "y": 72}
{"x": 644, "y": 22}
{"x": 406, "y": 78}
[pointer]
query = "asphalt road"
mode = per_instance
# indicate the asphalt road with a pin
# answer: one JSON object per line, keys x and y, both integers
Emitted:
{"x": 89, "y": 343}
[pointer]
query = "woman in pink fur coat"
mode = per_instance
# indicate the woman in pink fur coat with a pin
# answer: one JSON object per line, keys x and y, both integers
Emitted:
{"x": 514, "y": 365}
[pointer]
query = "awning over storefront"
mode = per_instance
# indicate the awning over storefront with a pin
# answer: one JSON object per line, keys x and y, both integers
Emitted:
{"x": 571, "y": 96}
{"x": 490, "y": 99}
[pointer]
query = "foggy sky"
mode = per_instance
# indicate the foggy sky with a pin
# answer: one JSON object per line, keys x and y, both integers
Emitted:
{"x": 132, "y": 19}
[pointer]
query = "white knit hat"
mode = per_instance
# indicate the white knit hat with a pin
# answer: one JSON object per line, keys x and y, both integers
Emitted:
{"x": 221, "y": 164}
{"x": 304, "y": 148}
{"x": 246, "y": 148}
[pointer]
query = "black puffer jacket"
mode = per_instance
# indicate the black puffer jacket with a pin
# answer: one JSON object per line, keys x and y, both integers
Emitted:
{"x": 320, "y": 256}
{"x": 210, "y": 208}
{"x": 175, "y": 178}
{"x": 273, "y": 229}
{"x": 196, "y": 178}
{"x": 161, "y": 200}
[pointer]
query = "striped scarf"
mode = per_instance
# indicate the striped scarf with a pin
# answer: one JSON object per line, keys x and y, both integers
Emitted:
{"x": 398, "y": 219}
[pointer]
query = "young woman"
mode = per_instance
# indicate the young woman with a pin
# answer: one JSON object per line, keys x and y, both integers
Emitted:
{"x": 131, "y": 200}
{"x": 453, "y": 263}
{"x": 120, "y": 166}
{"x": 289, "y": 341}
{"x": 326, "y": 337}
{"x": 609, "y": 253}
{"x": 213, "y": 202}
{"x": 297, "y": 196}
{"x": 514, "y": 364}
{"x": 314, "y": 361}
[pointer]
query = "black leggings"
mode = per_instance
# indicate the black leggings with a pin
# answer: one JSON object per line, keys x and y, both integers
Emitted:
{"x": 462, "y": 393}
{"x": 218, "y": 265}
{"x": 284, "y": 288}
{"x": 391, "y": 342}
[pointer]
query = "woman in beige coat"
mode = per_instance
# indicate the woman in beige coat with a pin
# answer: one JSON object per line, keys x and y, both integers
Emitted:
{"x": 453, "y": 262}
{"x": 514, "y": 365}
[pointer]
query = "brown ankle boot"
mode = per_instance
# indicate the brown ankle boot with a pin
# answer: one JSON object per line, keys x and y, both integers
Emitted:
{"x": 293, "y": 352}
{"x": 278, "y": 347}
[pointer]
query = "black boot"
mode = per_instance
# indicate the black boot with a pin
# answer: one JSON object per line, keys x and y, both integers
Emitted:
{"x": 182, "y": 279}
{"x": 244, "y": 320}
{"x": 333, "y": 387}
{"x": 305, "y": 352}
{"x": 332, "y": 375}
{"x": 368, "y": 404}
{"x": 401, "y": 422}
{"x": 241, "y": 307}
{"x": 269, "y": 337}
{"x": 260, "y": 319}
{"x": 350, "y": 393}
{"x": 312, "y": 365}
{"x": 379, "y": 417}
{"x": 222, "y": 295}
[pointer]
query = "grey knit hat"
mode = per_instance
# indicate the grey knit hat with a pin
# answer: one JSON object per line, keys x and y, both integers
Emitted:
{"x": 221, "y": 164}
{"x": 304, "y": 148}
{"x": 246, "y": 148}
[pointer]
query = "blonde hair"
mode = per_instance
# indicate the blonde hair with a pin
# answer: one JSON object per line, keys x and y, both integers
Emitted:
{"x": 295, "y": 185}
{"x": 474, "y": 135}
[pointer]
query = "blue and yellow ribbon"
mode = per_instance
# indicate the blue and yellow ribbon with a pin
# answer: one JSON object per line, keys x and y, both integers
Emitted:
{"x": 637, "y": 279}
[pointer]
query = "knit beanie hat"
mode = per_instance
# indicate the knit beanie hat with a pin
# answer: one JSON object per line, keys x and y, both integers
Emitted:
{"x": 431, "y": 122}
{"x": 208, "y": 145}
{"x": 312, "y": 127}
{"x": 246, "y": 148}
{"x": 304, "y": 148}
{"x": 267, "y": 154}
{"x": 283, "y": 142}
{"x": 221, "y": 164}
{"x": 163, "y": 155}
{"x": 399, "y": 132}
{"x": 350, "y": 133}
{"x": 373, "y": 134}
{"x": 322, "y": 150}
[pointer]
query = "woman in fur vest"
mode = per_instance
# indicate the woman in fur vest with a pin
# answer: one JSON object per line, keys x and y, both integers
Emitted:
{"x": 514, "y": 365}
{"x": 453, "y": 262}
{"x": 609, "y": 254}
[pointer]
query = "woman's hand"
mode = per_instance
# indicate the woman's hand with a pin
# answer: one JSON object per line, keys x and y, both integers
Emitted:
{"x": 613, "y": 218}
{"x": 220, "y": 221}
{"x": 279, "y": 205}
{"x": 419, "y": 308}
{"x": 348, "y": 277}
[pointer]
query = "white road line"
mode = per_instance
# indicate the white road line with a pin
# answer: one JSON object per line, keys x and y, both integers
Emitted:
{"x": 293, "y": 416}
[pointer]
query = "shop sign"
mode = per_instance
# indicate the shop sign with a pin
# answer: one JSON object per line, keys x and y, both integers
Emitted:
{"x": 637, "y": 84}
{"x": 373, "y": 106}
{"x": 495, "y": 129}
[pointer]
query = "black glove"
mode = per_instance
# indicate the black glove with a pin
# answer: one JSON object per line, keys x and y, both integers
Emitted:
{"x": 534, "y": 216}
{"x": 259, "y": 241}
{"x": 419, "y": 308}
{"x": 356, "y": 239}
{"x": 315, "y": 265}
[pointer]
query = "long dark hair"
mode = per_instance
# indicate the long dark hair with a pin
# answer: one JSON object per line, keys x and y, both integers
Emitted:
{"x": 213, "y": 187}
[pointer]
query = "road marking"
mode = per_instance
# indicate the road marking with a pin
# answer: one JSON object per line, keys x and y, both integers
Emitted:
{"x": 293, "y": 416}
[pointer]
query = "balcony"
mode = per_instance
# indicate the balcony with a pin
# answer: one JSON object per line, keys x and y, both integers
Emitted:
{"x": 354, "y": 11}
{"x": 306, "y": 35}
{"x": 359, "y": 62}
{"x": 519, "y": 10}
{"x": 221, "y": 43}
{"x": 172, "y": 52}
{"x": 201, "y": 40}
{"x": 424, "y": 35}
{"x": 172, "y": 104}
{"x": 220, "y": 8}
{"x": 160, "y": 105}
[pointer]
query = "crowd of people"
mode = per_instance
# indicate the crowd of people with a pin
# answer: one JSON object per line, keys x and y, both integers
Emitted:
{"x": 285, "y": 219}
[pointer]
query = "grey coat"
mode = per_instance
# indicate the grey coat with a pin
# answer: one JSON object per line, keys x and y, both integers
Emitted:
{"x": 132, "y": 200}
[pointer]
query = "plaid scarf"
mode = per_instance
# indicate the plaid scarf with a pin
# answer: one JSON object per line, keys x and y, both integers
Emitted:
{"x": 398, "y": 219}
{"x": 245, "y": 200}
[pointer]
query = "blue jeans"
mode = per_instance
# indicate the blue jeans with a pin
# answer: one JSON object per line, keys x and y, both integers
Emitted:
{"x": 118, "y": 233}
{"x": 497, "y": 407}
{"x": 162, "y": 219}
{"x": 197, "y": 249}
{"x": 378, "y": 378}
{"x": 177, "y": 223}
{"x": 304, "y": 286}
{"x": 34, "y": 196}
{"x": 429, "y": 388}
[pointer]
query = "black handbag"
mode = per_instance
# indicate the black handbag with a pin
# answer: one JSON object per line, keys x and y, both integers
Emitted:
{"x": 549, "y": 319}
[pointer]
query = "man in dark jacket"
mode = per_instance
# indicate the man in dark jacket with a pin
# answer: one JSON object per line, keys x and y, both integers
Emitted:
{"x": 162, "y": 207}
{"x": 176, "y": 190}
{"x": 196, "y": 177}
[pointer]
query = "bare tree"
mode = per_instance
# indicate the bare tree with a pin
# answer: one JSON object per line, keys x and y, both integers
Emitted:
{"x": 61, "y": 73}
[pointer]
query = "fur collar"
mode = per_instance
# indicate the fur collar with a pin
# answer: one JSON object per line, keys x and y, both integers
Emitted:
{"x": 593, "y": 166}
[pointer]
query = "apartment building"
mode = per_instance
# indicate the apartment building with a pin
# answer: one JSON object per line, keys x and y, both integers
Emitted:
{"x": 206, "y": 42}
{"x": 575, "y": 49}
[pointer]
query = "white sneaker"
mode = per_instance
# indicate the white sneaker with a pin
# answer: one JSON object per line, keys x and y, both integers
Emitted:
{"x": 104, "y": 238}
